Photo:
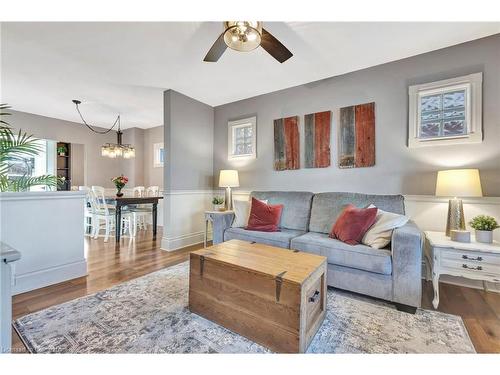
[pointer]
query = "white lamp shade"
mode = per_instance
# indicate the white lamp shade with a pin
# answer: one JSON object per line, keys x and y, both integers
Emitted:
{"x": 229, "y": 178}
{"x": 459, "y": 183}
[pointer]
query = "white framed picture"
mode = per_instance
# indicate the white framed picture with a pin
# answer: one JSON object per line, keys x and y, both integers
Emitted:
{"x": 446, "y": 112}
{"x": 242, "y": 138}
{"x": 158, "y": 155}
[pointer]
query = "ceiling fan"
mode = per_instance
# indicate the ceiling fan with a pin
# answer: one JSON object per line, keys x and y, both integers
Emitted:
{"x": 245, "y": 36}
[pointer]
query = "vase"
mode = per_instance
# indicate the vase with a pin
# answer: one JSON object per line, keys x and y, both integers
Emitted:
{"x": 119, "y": 193}
{"x": 484, "y": 236}
{"x": 218, "y": 207}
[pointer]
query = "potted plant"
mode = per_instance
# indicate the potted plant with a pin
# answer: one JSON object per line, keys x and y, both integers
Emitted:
{"x": 218, "y": 203}
{"x": 61, "y": 150}
{"x": 484, "y": 226}
{"x": 120, "y": 182}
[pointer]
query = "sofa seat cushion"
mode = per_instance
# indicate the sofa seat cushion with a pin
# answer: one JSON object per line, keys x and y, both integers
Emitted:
{"x": 361, "y": 257}
{"x": 279, "y": 239}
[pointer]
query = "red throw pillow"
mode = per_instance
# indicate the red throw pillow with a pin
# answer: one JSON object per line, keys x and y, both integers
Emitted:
{"x": 264, "y": 217}
{"x": 353, "y": 223}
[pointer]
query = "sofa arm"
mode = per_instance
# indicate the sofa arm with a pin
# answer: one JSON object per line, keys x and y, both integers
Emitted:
{"x": 407, "y": 243}
{"x": 220, "y": 222}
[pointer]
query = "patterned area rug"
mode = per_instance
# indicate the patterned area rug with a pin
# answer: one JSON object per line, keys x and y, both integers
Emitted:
{"x": 150, "y": 315}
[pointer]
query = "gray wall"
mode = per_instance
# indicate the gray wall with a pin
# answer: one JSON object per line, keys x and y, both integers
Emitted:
{"x": 99, "y": 170}
{"x": 77, "y": 164}
{"x": 398, "y": 169}
{"x": 134, "y": 168}
{"x": 152, "y": 176}
{"x": 188, "y": 134}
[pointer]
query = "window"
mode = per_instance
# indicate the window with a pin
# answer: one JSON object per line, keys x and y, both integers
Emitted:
{"x": 41, "y": 164}
{"x": 446, "y": 112}
{"x": 242, "y": 138}
{"x": 158, "y": 155}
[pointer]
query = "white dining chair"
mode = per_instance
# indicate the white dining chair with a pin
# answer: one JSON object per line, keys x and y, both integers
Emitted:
{"x": 88, "y": 214}
{"x": 143, "y": 211}
{"x": 153, "y": 191}
{"x": 138, "y": 191}
{"x": 101, "y": 212}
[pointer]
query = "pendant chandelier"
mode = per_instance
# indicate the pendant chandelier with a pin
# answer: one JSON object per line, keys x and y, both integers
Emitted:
{"x": 110, "y": 150}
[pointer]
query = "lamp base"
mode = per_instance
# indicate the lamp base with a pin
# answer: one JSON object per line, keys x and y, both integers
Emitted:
{"x": 456, "y": 219}
{"x": 228, "y": 199}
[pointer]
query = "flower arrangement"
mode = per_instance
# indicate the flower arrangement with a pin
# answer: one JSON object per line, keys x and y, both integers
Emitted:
{"x": 120, "y": 182}
{"x": 483, "y": 222}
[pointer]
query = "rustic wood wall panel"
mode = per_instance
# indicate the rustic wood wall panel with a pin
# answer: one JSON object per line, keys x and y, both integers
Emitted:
{"x": 365, "y": 135}
{"x": 286, "y": 144}
{"x": 279, "y": 145}
{"x": 346, "y": 138}
{"x": 357, "y": 136}
{"x": 317, "y": 139}
{"x": 309, "y": 141}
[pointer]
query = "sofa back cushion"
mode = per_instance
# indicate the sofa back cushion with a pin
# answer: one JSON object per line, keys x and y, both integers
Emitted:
{"x": 326, "y": 207}
{"x": 296, "y": 207}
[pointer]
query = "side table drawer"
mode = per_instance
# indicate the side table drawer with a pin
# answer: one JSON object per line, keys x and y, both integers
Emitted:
{"x": 471, "y": 266}
{"x": 470, "y": 256}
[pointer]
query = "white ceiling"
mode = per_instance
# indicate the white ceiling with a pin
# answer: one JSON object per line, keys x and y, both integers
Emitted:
{"x": 125, "y": 67}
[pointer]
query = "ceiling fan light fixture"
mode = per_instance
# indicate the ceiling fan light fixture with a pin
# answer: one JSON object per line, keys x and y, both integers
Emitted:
{"x": 242, "y": 36}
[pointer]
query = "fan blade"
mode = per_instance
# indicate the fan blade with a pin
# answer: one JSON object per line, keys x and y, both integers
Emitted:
{"x": 274, "y": 47}
{"x": 217, "y": 50}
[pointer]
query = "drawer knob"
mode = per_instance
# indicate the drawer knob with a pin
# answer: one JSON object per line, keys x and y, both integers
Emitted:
{"x": 314, "y": 297}
{"x": 472, "y": 258}
{"x": 478, "y": 268}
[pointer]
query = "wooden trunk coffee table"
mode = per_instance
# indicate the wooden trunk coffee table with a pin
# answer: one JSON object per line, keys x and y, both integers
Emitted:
{"x": 273, "y": 296}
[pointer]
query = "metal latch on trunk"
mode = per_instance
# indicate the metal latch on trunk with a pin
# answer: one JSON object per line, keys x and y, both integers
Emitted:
{"x": 202, "y": 263}
{"x": 279, "y": 281}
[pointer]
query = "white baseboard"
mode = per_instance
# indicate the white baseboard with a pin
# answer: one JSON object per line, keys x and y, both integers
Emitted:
{"x": 53, "y": 275}
{"x": 178, "y": 242}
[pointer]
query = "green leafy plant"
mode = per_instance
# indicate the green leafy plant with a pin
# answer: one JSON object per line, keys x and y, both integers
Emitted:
{"x": 217, "y": 200}
{"x": 16, "y": 148}
{"x": 483, "y": 222}
{"x": 62, "y": 150}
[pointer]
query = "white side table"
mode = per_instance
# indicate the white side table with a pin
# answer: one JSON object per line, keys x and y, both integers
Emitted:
{"x": 474, "y": 260}
{"x": 7, "y": 256}
{"x": 209, "y": 218}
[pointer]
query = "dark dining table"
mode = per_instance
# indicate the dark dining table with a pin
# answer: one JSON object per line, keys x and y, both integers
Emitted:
{"x": 120, "y": 202}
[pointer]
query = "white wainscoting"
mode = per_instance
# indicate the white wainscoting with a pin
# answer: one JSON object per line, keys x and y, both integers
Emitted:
{"x": 184, "y": 217}
{"x": 47, "y": 228}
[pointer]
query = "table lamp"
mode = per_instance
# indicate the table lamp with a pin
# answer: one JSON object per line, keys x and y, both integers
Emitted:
{"x": 457, "y": 183}
{"x": 228, "y": 178}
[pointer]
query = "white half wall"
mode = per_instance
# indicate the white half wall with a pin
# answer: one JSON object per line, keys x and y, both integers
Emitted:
{"x": 47, "y": 229}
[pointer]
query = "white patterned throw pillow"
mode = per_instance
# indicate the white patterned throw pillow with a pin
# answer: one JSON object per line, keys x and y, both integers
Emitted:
{"x": 242, "y": 212}
{"x": 380, "y": 233}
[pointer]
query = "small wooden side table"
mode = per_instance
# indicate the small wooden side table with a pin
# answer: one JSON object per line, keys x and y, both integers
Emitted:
{"x": 473, "y": 260}
{"x": 209, "y": 218}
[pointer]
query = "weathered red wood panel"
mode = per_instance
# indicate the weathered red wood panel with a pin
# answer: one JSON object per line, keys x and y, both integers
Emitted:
{"x": 322, "y": 139}
{"x": 365, "y": 135}
{"x": 291, "y": 131}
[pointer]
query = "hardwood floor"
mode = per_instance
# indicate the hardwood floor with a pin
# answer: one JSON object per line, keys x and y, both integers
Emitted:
{"x": 109, "y": 265}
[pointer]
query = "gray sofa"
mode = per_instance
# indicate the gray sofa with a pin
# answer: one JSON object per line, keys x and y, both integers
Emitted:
{"x": 391, "y": 274}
